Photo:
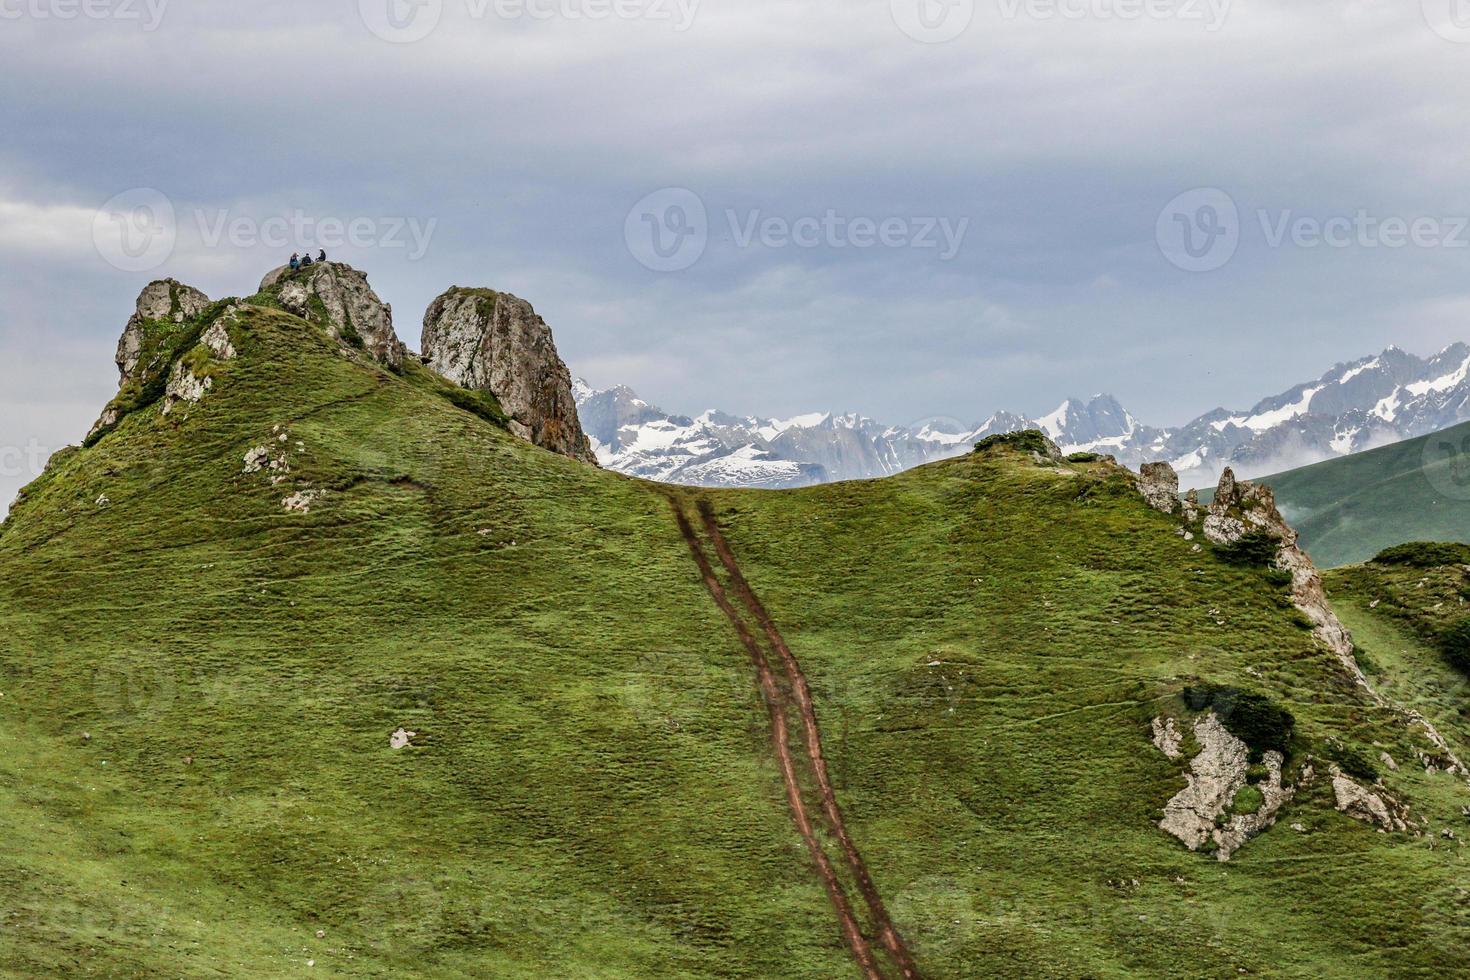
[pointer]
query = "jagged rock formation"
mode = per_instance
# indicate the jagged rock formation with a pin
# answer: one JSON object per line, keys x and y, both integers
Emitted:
{"x": 347, "y": 304}
{"x": 149, "y": 343}
{"x": 1159, "y": 485}
{"x": 1241, "y": 508}
{"x": 1200, "y": 813}
{"x": 163, "y": 300}
{"x": 495, "y": 342}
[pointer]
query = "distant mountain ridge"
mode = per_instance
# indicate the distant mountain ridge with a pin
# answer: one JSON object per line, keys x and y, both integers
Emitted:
{"x": 1374, "y": 401}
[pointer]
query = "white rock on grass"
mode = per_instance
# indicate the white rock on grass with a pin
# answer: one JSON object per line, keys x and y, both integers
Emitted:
{"x": 257, "y": 459}
{"x": 1167, "y": 738}
{"x": 1215, "y": 775}
{"x": 183, "y": 386}
{"x": 301, "y": 501}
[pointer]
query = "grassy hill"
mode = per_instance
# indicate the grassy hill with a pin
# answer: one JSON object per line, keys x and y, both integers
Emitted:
{"x": 1349, "y": 509}
{"x": 200, "y": 686}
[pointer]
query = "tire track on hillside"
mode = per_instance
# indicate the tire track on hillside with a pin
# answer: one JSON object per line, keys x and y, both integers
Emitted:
{"x": 801, "y": 690}
{"x": 776, "y": 708}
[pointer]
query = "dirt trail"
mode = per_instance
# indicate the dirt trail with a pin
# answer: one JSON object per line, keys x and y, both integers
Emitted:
{"x": 801, "y": 690}
{"x": 776, "y": 708}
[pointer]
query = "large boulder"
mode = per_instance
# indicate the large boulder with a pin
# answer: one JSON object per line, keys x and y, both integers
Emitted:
{"x": 165, "y": 302}
{"x": 1159, "y": 485}
{"x": 495, "y": 342}
{"x": 350, "y": 306}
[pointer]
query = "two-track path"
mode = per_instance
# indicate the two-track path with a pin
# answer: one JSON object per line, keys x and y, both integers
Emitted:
{"x": 783, "y": 688}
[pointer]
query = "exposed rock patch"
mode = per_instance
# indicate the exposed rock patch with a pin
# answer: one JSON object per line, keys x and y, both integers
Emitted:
{"x": 351, "y": 308}
{"x": 272, "y": 457}
{"x": 166, "y": 300}
{"x": 300, "y": 502}
{"x": 217, "y": 339}
{"x": 184, "y": 386}
{"x": 488, "y": 341}
{"x": 1220, "y": 529}
{"x": 1167, "y": 738}
{"x": 1240, "y": 508}
{"x": 1199, "y": 814}
{"x": 1159, "y": 485}
{"x": 1361, "y": 804}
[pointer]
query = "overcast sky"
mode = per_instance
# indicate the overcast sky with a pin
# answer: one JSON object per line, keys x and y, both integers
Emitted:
{"x": 769, "y": 206}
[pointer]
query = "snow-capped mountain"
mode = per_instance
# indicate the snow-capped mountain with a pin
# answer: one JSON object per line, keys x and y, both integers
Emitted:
{"x": 1367, "y": 403}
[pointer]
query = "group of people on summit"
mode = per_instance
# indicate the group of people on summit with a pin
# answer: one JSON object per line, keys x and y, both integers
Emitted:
{"x": 301, "y": 261}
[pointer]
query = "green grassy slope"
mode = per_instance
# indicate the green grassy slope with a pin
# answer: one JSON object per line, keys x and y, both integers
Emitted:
{"x": 591, "y": 791}
{"x": 1410, "y": 605}
{"x": 1349, "y": 509}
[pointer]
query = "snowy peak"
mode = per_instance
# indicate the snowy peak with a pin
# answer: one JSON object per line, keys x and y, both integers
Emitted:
{"x": 1099, "y": 421}
{"x": 1356, "y": 405}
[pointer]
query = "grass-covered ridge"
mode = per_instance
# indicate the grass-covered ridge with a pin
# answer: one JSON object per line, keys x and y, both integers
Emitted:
{"x": 590, "y": 791}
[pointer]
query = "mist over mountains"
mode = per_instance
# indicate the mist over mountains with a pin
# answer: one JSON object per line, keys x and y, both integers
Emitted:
{"x": 1363, "y": 404}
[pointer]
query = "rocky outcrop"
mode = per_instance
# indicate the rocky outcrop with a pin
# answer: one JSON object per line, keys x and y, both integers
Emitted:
{"x": 1202, "y": 813}
{"x": 1167, "y": 738}
{"x": 1159, "y": 485}
{"x": 1353, "y": 800}
{"x": 495, "y": 342}
{"x": 348, "y": 305}
{"x": 163, "y": 300}
{"x": 184, "y": 386}
{"x": 1240, "y": 508}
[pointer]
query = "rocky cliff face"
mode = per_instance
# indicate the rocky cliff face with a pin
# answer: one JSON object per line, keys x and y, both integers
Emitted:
{"x": 340, "y": 295}
{"x": 165, "y": 302}
{"x": 495, "y": 342}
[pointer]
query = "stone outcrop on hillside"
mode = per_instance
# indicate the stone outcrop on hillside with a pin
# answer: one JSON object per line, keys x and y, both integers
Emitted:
{"x": 166, "y": 300}
{"x": 350, "y": 305}
{"x": 495, "y": 342}
{"x": 1240, "y": 508}
{"x": 1202, "y": 814}
{"x": 1376, "y": 808}
{"x": 1159, "y": 485}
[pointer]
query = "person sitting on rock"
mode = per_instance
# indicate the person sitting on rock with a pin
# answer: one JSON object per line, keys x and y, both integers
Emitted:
{"x": 322, "y": 255}
{"x": 295, "y": 261}
{"x": 306, "y": 260}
